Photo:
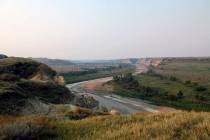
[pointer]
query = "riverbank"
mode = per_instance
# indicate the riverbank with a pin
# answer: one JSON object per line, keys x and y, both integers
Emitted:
{"x": 97, "y": 89}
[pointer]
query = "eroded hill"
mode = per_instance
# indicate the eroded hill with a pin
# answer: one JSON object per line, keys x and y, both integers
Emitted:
{"x": 26, "y": 87}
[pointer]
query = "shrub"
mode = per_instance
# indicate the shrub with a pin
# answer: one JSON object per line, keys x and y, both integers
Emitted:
{"x": 200, "y": 97}
{"x": 81, "y": 113}
{"x": 165, "y": 94}
{"x": 86, "y": 102}
{"x": 172, "y": 97}
{"x": 150, "y": 72}
{"x": 127, "y": 80}
{"x": 9, "y": 77}
{"x": 188, "y": 82}
{"x": 200, "y": 88}
{"x": 172, "y": 78}
{"x": 195, "y": 83}
{"x": 104, "y": 109}
{"x": 77, "y": 110}
{"x": 180, "y": 95}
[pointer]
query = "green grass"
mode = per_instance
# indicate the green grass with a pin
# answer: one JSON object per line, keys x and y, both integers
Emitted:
{"x": 191, "y": 78}
{"x": 194, "y": 71}
{"x": 73, "y": 78}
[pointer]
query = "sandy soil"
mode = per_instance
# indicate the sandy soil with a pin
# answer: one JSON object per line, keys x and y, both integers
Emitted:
{"x": 167, "y": 109}
{"x": 97, "y": 85}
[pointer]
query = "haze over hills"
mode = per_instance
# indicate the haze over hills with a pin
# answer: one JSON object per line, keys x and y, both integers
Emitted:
{"x": 65, "y": 66}
{"x": 105, "y": 70}
{"x": 79, "y": 64}
{"x": 53, "y": 62}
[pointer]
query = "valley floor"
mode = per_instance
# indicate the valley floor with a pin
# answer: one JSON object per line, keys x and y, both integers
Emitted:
{"x": 105, "y": 97}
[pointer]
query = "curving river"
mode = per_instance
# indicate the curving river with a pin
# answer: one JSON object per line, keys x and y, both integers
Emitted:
{"x": 112, "y": 101}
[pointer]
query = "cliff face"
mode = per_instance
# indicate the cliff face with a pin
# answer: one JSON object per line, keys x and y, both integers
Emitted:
{"x": 27, "y": 87}
{"x": 151, "y": 61}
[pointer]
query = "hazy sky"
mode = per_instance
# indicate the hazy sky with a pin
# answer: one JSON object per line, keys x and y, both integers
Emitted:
{"x": 104, "y": 29}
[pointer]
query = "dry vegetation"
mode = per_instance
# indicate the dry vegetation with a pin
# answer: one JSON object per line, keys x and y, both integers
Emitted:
{"x": 21, "y": 127}
{"x": 144, "y": 126}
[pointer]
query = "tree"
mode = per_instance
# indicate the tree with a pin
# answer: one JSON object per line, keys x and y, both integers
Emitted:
{"x": 128, "y": 77}
{"x": 180, "y": 95}
{"x": 188, "y": 82}
{"x": 172, "y": 78}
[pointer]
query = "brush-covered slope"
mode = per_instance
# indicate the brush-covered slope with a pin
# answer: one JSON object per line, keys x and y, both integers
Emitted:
{"x": 25, "y": 68}
{"x": 27, "y": 86}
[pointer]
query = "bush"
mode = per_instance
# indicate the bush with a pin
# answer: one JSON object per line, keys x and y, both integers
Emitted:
{"x": 172, "y": 97}
{"x": 172, "y": 78}
{"x": 86, "y": 102}
{"x": 127, "y": 80}
{"x": 180, "y": 95}
{"x": 104, "y": 109}
{"x": 200, "y": 97}
{"x": 9, "y": 77}
{"x": 188, "y": 82}
{"x": 195, "y": 83}
{"x": 200, "y": 88}
{"x": 150, "y": 72}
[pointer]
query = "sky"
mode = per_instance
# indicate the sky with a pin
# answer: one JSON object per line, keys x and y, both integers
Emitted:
{"x": 104, "y": 29}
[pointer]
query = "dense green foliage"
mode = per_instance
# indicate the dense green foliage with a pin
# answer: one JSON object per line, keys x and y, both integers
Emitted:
{"x": 73, "y": 77}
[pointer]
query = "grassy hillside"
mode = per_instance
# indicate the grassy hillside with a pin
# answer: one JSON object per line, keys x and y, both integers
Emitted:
{"x": 27, "y": 86}
{"x": 177, "y": 83}
{"x": 142, "y": 126}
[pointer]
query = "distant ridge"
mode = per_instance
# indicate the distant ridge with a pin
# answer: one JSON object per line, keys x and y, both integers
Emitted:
{"x": 53, "y": 62}
{"x": 113, "y": 61}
